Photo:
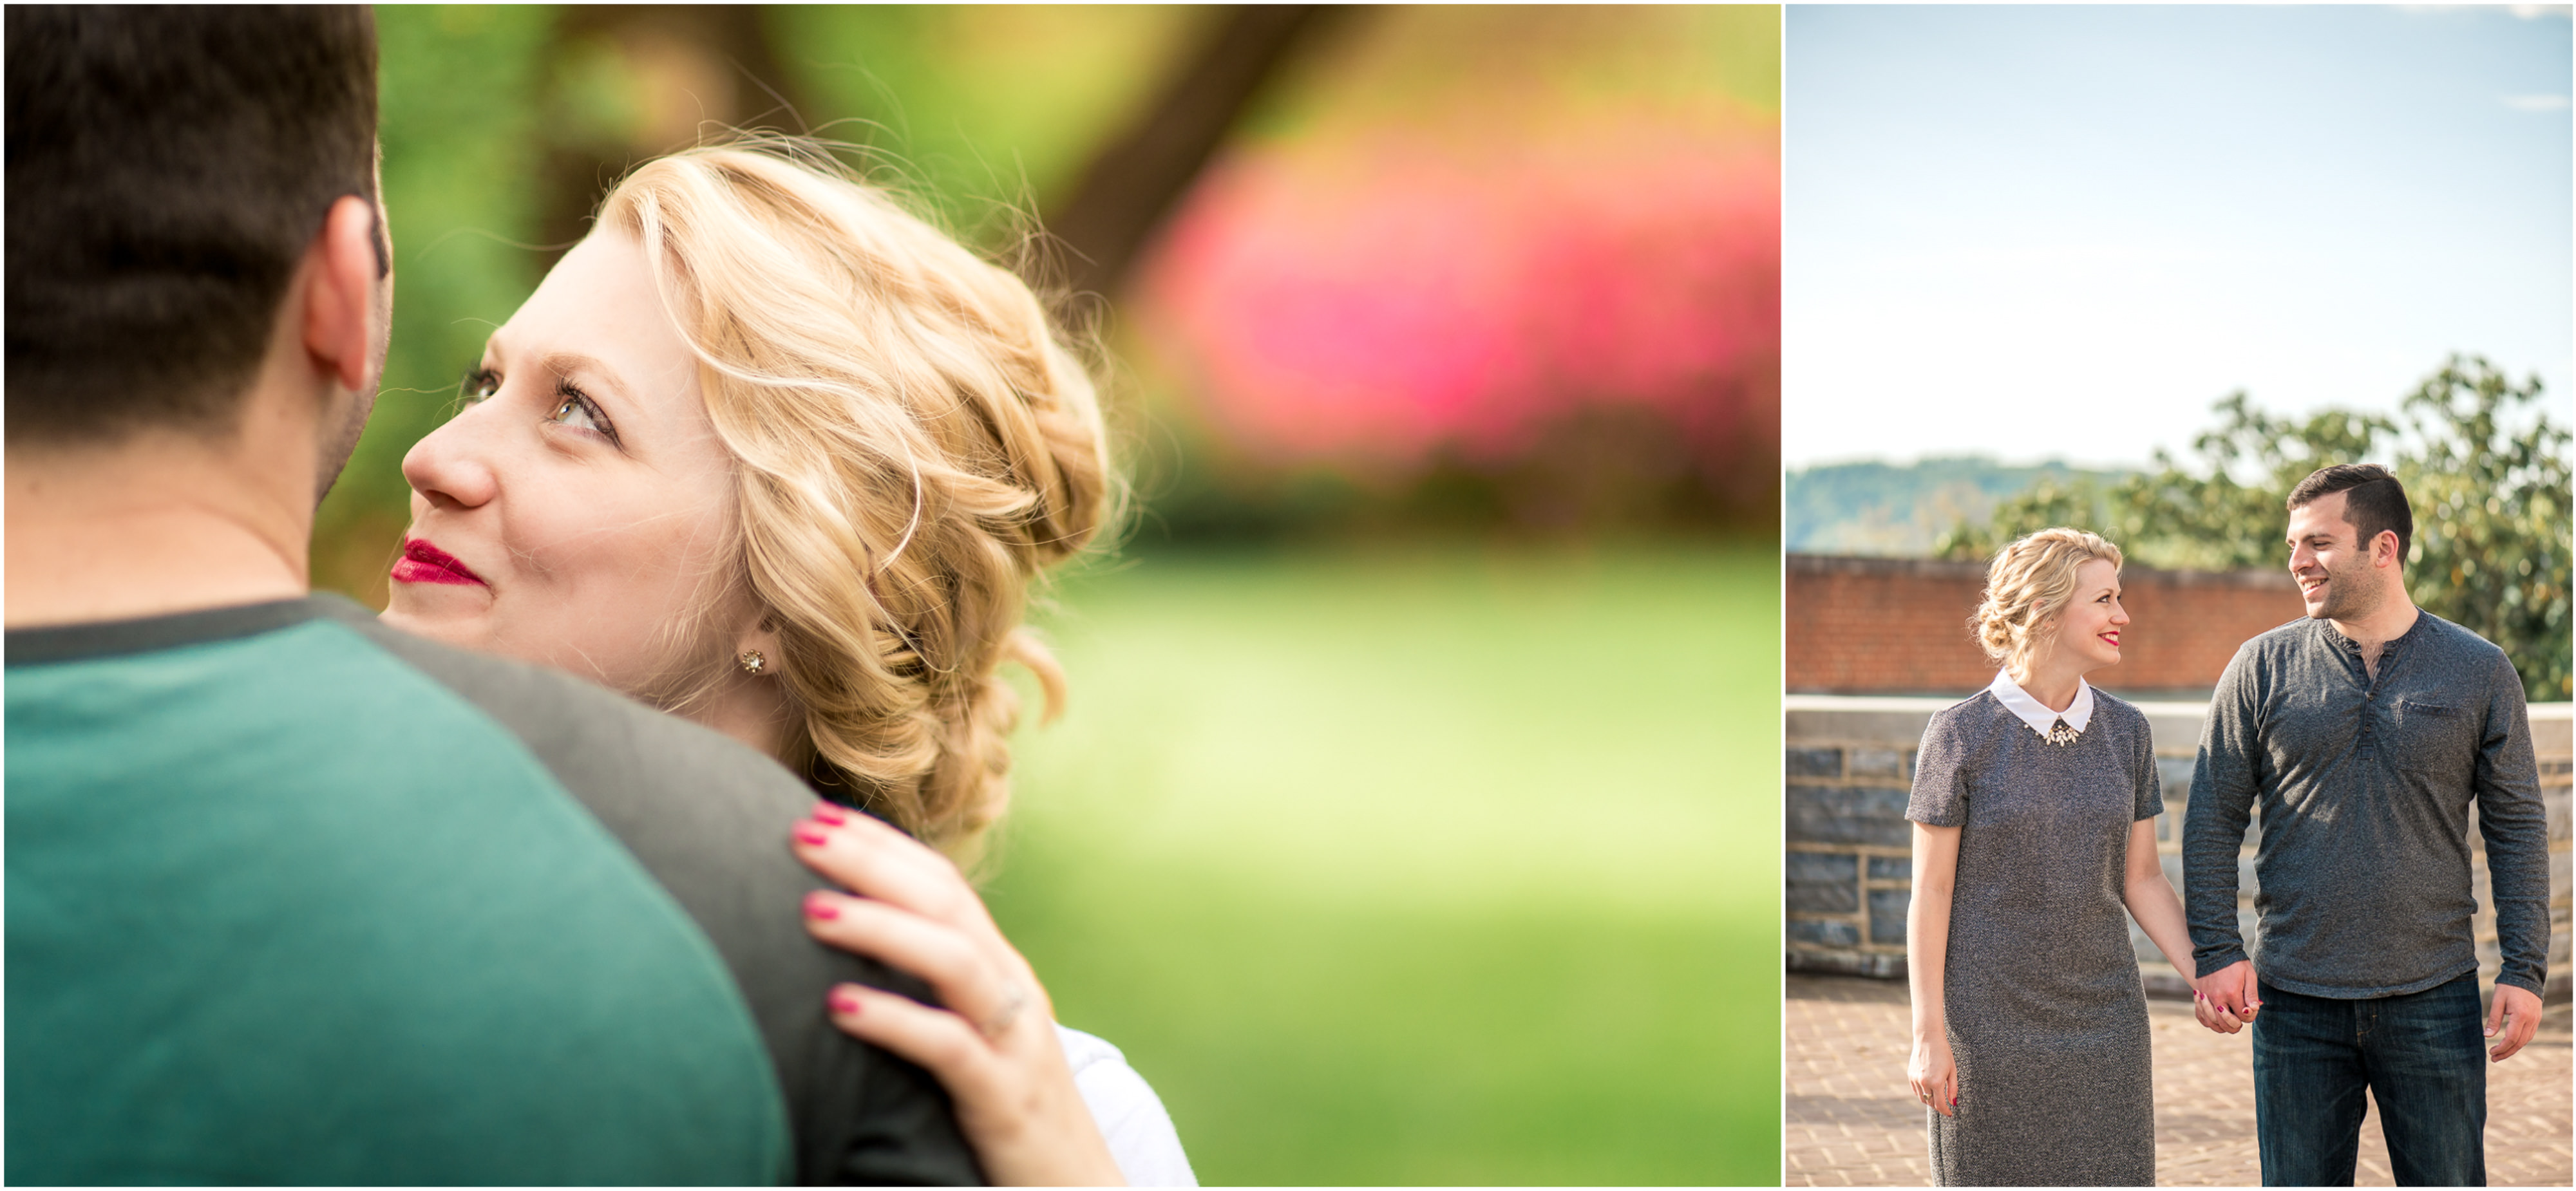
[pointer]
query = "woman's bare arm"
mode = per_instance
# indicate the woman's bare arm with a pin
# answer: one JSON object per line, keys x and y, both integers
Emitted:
{"x": 2150, "y": 897}
{"x": 1927, "y": 945}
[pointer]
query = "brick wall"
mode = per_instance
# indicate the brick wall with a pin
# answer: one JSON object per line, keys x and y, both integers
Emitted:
{"x": 1850, "y": 764}
{"x": 1900, "y": 625}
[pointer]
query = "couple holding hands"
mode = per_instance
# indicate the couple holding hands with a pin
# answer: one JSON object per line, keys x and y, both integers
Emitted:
{"x": 2363, "y": 734}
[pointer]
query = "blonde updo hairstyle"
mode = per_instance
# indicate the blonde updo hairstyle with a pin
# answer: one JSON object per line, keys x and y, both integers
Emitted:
{"x": 2028, "y": 587}
{"x": 913, "y": 445}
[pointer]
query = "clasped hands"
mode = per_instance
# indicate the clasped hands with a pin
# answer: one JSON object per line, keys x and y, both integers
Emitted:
{"x": 2227, "y": 1000}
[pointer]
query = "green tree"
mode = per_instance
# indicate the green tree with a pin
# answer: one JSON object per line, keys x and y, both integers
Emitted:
{"x": 2485, "y": 468}
{"x": 2491, "y": 517}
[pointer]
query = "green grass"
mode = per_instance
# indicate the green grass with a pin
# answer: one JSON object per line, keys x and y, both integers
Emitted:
{"x": 1438, "y": 865}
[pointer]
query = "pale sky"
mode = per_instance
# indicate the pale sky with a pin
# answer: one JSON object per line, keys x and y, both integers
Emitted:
{"x": 2038, "y": 232}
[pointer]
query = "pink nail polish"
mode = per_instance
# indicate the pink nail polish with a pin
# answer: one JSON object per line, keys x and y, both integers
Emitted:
{"x": 844, "y": 1003}
{"x": 828, "y": 813}
{"x": 809, "y": 835}
{"x": 816, "y": 907}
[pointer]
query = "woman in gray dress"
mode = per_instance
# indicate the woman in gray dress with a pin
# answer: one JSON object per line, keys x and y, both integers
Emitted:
{"x": 2034, "y": 840}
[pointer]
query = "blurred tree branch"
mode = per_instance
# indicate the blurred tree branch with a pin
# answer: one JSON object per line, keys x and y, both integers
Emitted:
{"x": 1135, "y": 182}
{"x": 631, "y": 81}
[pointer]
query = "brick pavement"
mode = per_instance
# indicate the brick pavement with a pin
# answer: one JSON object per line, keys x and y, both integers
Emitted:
{"x": 1848, "y": 1120}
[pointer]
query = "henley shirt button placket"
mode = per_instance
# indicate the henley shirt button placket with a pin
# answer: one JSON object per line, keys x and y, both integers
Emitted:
{"x": 2369, "y": 695}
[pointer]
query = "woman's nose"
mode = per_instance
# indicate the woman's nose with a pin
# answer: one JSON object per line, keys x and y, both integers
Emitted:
{"x": 452, "y": 467}
{"x": 2119, "y": 615}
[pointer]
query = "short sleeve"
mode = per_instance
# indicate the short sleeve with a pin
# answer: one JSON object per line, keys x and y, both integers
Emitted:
{"x": 1131, "y": 1117}
{"x": 2151, "y": 785}
{"x": 1940, "y": 797}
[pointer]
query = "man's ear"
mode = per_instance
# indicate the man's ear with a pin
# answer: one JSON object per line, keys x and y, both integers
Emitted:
{"x": 2384, "y": 557}
{"x": 339, "y": 295}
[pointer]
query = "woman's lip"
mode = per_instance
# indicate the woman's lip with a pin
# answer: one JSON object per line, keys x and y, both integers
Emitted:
{"x": 424, "y": 563}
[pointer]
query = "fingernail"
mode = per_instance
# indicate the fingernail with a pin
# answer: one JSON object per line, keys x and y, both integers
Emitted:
{"x": 844, "y": 1002}
{"x": 817, "y": 907}
{"x": 809, "y": 835}
{"x": 830, "y": 814}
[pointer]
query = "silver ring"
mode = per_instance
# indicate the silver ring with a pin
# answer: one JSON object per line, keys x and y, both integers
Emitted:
{"x": 992, "y": 1027}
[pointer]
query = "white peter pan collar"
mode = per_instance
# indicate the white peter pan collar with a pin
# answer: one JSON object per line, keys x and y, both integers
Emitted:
{"x": 2036, "y": 714}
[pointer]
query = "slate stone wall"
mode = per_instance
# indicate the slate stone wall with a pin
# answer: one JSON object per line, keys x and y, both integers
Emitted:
{"x": 1848, "y": 768}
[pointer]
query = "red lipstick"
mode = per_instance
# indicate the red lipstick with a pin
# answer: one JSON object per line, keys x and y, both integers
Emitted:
{"x": 424, "y": 563}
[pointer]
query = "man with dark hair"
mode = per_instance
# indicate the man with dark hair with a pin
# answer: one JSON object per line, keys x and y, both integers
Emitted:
{"x": 164, "y": 202}
{"x": 2374, "y": 503}
{"x": 294, "y": 898}
{"x": 2364, "y": 733}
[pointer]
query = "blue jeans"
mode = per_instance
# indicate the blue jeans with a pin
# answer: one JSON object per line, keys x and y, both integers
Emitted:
{"x": 2421, "y": 1055}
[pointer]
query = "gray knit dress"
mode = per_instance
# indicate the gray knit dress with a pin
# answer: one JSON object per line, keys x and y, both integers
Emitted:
{"x": 2047, "y": 1020}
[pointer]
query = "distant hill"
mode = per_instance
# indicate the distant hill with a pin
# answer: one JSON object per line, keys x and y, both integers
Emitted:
{"x": 1883, "y": 509}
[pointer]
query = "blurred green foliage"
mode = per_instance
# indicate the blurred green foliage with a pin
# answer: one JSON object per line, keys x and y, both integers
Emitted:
{"x": 1415, "y": 63}
{"x": 2485, "y": 469}
{"x": 1441, "y": 865}
{"x": 985, "y": 113}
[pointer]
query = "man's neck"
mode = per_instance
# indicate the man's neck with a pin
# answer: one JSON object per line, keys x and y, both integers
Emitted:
{"x": 158, "y": 525}
{"x": 2383, "y": 624}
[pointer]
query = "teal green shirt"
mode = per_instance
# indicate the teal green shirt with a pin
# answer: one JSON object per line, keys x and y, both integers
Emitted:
{"x": 283, "y": 909}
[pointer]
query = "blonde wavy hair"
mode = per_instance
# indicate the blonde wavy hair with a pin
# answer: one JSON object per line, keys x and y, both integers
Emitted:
{"x": 914, "y": 444}
{"x": 2028, "y": 586}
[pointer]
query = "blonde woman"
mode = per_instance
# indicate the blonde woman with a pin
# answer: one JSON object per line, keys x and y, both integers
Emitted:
{"x": 768, "y": 452}
{"x": 2034, "y": 841}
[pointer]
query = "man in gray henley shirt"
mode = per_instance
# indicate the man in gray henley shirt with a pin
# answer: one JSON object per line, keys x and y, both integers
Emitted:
{"x": 2363, "y": 734}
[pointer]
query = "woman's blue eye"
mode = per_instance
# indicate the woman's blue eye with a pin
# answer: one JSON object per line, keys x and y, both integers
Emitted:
{"x": 479, "y": 385}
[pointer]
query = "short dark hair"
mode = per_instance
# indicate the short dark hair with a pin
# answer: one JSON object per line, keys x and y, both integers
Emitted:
{"x": 2374, "y": 502}
{"x": 167, "y": 169}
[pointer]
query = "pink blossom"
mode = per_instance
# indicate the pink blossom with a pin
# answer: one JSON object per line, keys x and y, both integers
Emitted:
{"x": 1374, "y": 299}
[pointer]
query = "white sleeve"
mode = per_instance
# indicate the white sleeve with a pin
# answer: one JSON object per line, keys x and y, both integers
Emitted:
{"x": 1129, "y": 1114}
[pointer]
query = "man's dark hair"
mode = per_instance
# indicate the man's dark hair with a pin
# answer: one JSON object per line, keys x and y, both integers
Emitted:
{"x": 2374, "y": 502}
{"x": 167, "y": 170}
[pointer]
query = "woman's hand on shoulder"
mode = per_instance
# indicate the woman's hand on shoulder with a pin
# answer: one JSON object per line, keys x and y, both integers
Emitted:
{"x": 994, "y": 1046}
{"x": 1933, "y": 1075}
